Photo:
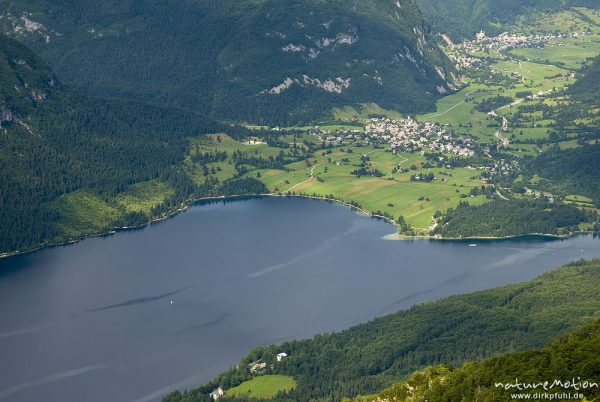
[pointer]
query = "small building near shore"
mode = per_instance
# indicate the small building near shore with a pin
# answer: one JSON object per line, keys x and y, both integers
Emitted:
{"x": 217, "y": 393}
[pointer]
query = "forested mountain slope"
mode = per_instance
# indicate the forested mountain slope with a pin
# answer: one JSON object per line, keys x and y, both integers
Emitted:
{"x": 372, "y": 356}
{"x": 501, "y": 218}
{"x": 586, "y": 90}
{"x": 266, "y": 61}
{"x": 571, "y": 358}
{"x": 54, "y": 142}
{"x": 570, "y": 171}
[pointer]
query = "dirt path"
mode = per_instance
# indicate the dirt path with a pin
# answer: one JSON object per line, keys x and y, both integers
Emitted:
{"x": 312, "y": 171}
{"x": 453, "y": 107}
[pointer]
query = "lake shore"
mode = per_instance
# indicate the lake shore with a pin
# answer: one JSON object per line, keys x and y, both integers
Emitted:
{"x": 194, "y": 201}
{"x": 540, "y": 236}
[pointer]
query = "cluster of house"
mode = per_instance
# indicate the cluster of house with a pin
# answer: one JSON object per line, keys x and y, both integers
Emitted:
{"x": 463, "y": 62}
{"x": 256, "y": 368}
{"x": 408, "y": 135}
{"x": 504, "y": 41}
{"x": 338, "y": 137}
{"x": 500, "y": 168}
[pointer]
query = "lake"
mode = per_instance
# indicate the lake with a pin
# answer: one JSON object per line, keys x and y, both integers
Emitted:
{"x": 135, "y": 315}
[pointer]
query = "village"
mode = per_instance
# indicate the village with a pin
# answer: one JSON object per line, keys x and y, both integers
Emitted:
{"x": 507, "y": 41}
{"x": 467, "y": 51}
{"x": 403, "y": 135}
{"x": 409, "y": 135}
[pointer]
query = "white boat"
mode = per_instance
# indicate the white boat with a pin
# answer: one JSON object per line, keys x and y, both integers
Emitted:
{"x": 472, "y": 245}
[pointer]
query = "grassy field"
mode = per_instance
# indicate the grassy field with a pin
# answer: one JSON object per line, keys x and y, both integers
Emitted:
{"x": 349, "y": 113}
{"x": 142, "y": 197}
{"x": 266, "y": 386}
{"x": 331, "y": 175}
{"x": 393, "y": 193}
{"x": 222, "y": 142}
{"x": 580, "y": 201}
{"x": 84, "y": 213}
{"x": 456, "y": 110}
{"x": 570, "y": 54}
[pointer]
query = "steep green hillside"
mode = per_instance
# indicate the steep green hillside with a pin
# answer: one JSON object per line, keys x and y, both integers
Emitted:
{"x": 372, "y": 356}
{"x": 261, "y": 61}
{"x": 72, "y": 165}
{"x": 570, "y": 171}
{"x": 570, "y": 357}
{"x": 586, "y": 90}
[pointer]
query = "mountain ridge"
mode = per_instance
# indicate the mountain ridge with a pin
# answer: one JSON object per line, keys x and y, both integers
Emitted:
{"x": 259, "y": 61}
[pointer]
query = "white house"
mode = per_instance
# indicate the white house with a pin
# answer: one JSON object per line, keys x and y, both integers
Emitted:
{"x": 281, "y": 356}
{"x": 217, "y": 393}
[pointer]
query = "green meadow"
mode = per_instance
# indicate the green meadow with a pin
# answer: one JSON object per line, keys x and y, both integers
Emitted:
{"x": 364, "y": 111}
{"x": 84, "y": 213}
{"x": 266, "y": 386}
{"x": 570, "y": 54}
{"x": 332, "y": 176}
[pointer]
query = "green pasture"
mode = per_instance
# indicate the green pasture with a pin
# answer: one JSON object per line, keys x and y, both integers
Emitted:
{"x": 349, "y": 113}
{"x": 266, "y": 386}
{"x": 393, "y": 193}
{"x": 570, "y": 54}
{"x": 142, "y": 197}
{"x": 82, "y": 212}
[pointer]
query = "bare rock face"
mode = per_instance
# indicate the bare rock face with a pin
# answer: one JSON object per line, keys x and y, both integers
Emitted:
{"x": 26, "y": 82}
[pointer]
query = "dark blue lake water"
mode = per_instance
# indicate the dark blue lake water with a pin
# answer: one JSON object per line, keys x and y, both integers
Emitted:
{"x": 133, "y": 316}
